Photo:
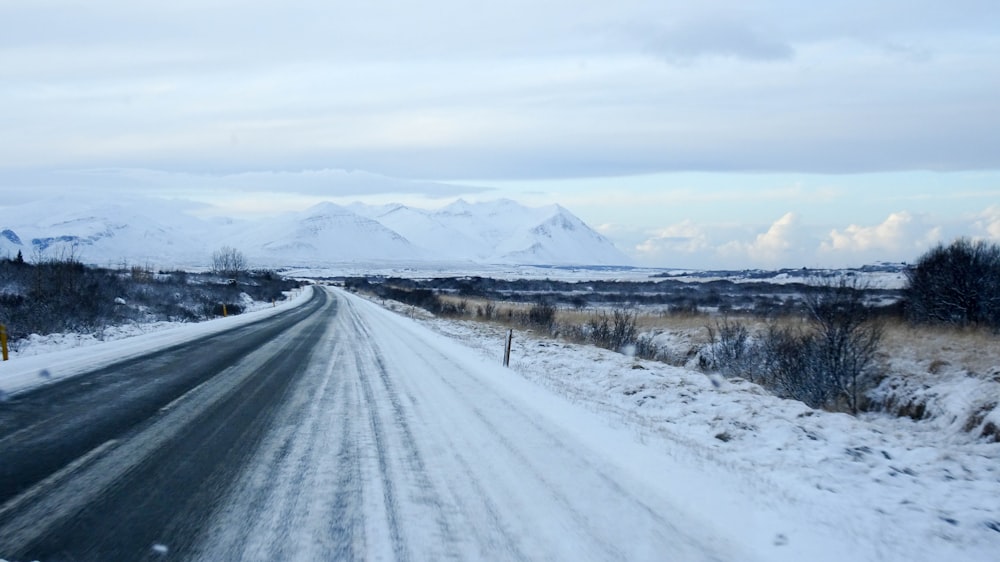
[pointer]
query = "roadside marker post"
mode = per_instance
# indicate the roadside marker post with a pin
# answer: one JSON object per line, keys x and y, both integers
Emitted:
{"x": 506, "y": 351}
{"x": 224, "y": 314}
{"x": 3, "y": 340}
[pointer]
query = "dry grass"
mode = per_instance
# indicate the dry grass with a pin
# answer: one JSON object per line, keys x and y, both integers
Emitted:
{"x": 938, "y": 348}
{"x": 943, "y": 348}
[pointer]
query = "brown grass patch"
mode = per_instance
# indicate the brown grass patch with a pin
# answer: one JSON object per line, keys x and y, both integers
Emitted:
{"x": 975, "y": 350}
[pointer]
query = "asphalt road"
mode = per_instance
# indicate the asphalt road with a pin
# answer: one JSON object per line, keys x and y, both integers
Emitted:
{"x": 337, "y": 431}
{"x": 106, "y": 464}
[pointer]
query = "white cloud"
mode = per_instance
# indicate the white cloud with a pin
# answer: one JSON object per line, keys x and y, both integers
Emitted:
{"x": 791, "y": 241}
{"x": 988, "y": 223}
{"x": 674, "y": 241}
{"x": 784, "y": 243}
{"x": 899, "y": 232}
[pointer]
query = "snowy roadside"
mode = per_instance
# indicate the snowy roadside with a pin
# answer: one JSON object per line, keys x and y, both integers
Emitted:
{"x": 899, "y": 489}
{"x": 44, "y": 359}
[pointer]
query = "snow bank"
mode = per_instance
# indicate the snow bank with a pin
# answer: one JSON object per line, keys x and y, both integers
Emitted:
{"x": 45, "y": 359}
{"x": 897, "y": 489}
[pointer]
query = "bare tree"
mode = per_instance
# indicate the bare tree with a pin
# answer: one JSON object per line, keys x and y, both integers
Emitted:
{"x": 229, "y": 261}
{"x": 845, "y": 338}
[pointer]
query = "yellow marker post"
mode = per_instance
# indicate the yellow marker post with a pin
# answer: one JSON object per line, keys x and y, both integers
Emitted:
{"x": 224, "y": 314}
{"x": 3, "y": 340}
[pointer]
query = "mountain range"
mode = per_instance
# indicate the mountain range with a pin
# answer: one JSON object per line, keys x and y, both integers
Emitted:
{"x": 165, "y": 234}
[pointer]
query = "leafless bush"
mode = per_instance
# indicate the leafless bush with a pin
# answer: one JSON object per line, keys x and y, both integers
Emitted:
{"x": 789, "y": 367}
{"x": 487, "y": 310}
{"x": 731, "y": 350}
{"x": 830, "y": 360}
{"x": 599, "y": 329}
{"x": 956, "y": 284}
{"x": 542, "y": 314}
{"x": 614, "y": 331}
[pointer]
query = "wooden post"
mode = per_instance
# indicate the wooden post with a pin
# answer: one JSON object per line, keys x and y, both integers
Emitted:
{"x": 506, "y": 352}
{"x": 3, "y": 341}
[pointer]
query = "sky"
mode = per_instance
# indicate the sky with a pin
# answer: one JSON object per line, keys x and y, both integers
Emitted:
{"x": 693, "y": 134}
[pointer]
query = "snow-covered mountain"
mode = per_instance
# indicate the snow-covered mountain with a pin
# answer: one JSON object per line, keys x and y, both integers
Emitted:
{"x": 103, "y": 233}
{"x": 500, "y": 231}
{"x": 165, "y": 234}
{"x": 323, "y": 234}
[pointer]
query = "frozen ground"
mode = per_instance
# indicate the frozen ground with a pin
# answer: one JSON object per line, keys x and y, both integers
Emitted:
{"x": 897, "y": 488}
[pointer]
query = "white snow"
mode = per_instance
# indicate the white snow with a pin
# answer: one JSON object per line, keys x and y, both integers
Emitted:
{"x": 165, "y": 235}
{"x": 881, "y": 487}
{"x": 44, "y": 359}
{"x": 770, "y": 478}
{"x": 323, "y": 233}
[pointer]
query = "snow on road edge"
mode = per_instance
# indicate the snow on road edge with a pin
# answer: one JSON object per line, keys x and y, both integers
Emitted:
{"x": 890, "y": 488}
{"x": 21, "y": 374}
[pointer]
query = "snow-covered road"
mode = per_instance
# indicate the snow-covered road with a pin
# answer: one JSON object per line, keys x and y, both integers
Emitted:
{"x": 400, "y": 446}
{"x": 359, "y": 434}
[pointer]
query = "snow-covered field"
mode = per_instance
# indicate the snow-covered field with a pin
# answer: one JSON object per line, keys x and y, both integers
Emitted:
{"x": 896, "y": 488}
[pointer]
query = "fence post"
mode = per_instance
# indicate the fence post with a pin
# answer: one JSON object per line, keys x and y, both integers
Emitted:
{"x": 506, "y": 351}
{"x": 3, "y": 340}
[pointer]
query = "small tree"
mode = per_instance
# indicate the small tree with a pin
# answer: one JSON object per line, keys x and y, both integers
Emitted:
{"x": 845, "y": 337}
{"x": 229, "y": 261}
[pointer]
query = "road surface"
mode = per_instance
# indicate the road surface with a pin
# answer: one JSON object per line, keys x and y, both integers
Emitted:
{"x": 336, "y": 431}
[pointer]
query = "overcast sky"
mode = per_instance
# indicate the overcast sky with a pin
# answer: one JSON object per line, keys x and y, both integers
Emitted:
{"x": 713, "y": 133}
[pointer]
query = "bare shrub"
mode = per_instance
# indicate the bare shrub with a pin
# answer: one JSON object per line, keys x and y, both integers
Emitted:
{"x": 731, "y": 351}
{"x": 599, "y": 329}
{"x": 542, "y": 314}
{"x": 487, "y": 310}
{"x": 827, "y": 361}
{"x": 614, "y": 331}
{"x": 788, "y": 366}
{"x": 59, "y": 295}
{"x": 956, "y": 284}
